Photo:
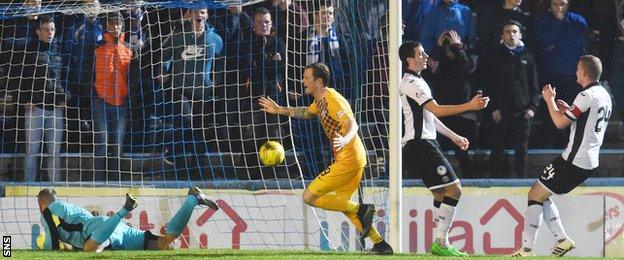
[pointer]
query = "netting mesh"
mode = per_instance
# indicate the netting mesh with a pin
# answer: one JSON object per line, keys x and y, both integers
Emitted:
{"x": 153, "y": 96}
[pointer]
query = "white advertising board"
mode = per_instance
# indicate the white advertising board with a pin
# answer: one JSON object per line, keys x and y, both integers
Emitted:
{"x": 483, "y": 224}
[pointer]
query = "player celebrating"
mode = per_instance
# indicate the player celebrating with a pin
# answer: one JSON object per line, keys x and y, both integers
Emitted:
{"x": 421, "y": 151}
{"x": 344, "y": 175}
{"x": 589, "y": 116}
{"x": 79, "y": 228}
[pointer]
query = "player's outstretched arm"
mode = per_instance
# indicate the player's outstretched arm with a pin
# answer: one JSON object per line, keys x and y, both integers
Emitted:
{"x": 478, "y": 102}
{"x": 554, "y": 109}
{"x": 459, "y": 140}
{"x": 269, "y": 106}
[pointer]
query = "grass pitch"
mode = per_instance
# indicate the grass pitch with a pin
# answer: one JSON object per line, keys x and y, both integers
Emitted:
{"x": 227, "y": 254}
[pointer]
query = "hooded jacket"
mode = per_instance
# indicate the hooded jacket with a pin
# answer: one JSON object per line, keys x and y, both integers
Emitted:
{"x": 189, "y": 58}
{"x": 112, "y": 64}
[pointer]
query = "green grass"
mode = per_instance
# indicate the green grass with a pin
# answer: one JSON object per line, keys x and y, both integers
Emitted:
{"x": 223, "y": 253}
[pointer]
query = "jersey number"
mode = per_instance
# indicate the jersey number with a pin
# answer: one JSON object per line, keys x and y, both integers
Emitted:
{"x": 606, "y": 114}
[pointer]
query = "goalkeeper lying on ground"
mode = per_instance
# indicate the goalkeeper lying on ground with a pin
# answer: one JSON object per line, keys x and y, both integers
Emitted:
{"x": 79, "y": 228}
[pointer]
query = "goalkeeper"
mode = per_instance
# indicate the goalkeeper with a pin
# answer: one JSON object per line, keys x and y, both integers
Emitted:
{"x": 343, "y": 177}
{"x": 70, "y": 224}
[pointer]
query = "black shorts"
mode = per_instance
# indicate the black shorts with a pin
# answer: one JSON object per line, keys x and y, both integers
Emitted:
{"x": 423, "y": 159}
{"x": 561, "y": 177}
{"x": 149, "y": 237}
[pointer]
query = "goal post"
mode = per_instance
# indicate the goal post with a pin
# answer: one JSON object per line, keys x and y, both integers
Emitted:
{"x": 394, "y": 135}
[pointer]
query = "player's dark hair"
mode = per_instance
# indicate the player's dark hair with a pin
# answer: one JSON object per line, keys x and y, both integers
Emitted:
{"x": 261, "y": 11}
{"x": 114, "y": 17}
{"x": 512, "y": 22}
{"x": 319, "y": 70}
{"x": 322, "y": 3}
{"x": 407, "y": 51}
{"x": 592, "y": 66}
{"x": 43, "y": 20}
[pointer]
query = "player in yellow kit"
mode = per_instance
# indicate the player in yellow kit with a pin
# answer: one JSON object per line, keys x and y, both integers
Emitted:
{"x": 333, "y": 188}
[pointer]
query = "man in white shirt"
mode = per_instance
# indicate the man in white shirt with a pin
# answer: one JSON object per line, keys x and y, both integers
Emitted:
{"x": 421, "y": 152}
{"x": 588, "y": 117}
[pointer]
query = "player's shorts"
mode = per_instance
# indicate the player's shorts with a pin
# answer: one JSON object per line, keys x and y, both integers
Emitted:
{"x": 422, "y": 157}
{"x": 149, "y": 237}
{"x": 344, "y": 179}
{"x": 561, "y": 177}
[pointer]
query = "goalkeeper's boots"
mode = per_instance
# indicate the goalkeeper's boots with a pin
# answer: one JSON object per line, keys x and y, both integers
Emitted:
{"x": 562, "y": 247}
{"x": 523, "y": 252}
{"x": 131, "y": 203}
{"x": 203, "y": 199}
{"x": 365, "y": 215}
{"x": 437, "y": 249}
{"x": 382, "y": 248}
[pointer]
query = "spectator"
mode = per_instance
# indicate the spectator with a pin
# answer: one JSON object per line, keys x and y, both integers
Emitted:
{"x": 414, "y": 12}
{"x": 616, "y": 81}
{"x": 492, "y": 19}
{"x": 135, "y": 32}
{"x": 263, "y": 69}
{"x": 294, "y": 40}
{"x": 112, "y": 64}
{"x": 561, "y": 37}
{"x": 450, "y": 83}
{"x": 233, "y": 25}
{"x": 188, "y": 56}
{"x": 21, "y": 29}
{"x": 81, "y": 34}
{"x": 15, "y": 33}
{"x": 447, "y": 15}
{"x": 601, "y": 19}
{"x": 43, "y": 96}
{"x": 262, "y": 54}
{"x": 327, "y": 46}
{"x": 510, "y": 77}
{"x": 298, "y": 22}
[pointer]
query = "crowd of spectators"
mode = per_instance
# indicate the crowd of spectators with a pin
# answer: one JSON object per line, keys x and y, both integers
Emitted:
{"x": 516, "y": 47}
{"x": 204, "y": 70}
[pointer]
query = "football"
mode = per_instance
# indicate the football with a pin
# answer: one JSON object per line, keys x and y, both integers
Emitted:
{"x": 271, "y": 153}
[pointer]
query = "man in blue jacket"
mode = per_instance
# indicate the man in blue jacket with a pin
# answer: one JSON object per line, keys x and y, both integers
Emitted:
{"x": 561, "y": 38}
{"x": 447, "y": 15}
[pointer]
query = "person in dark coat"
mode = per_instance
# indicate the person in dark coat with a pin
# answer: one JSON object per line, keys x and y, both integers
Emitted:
{"x": 510, "y": 79}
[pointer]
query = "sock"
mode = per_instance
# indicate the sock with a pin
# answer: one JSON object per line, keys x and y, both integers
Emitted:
{"x": 375, "y": 236}
{"x": 446, "y": 213}
{"x": 355, "y": 220}
{"x": 335, "y": 203}
{"x": 532, "y": 223}
{"x": 553, "y": 220}
{"x": 181, "y": 218}
{"x": 436, "y": 205}
{"x": 104, "y": 231}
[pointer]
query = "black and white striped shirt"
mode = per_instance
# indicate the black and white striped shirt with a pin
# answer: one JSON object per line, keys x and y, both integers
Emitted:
{"x": 590, "y": 115}
{"x": 418, "y": 122}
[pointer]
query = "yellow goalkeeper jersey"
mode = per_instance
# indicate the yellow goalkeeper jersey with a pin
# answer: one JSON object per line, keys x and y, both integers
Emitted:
{"x": 331, "y": 110}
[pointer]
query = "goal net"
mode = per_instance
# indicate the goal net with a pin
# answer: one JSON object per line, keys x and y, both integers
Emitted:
{"x": 100, "y": 98}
